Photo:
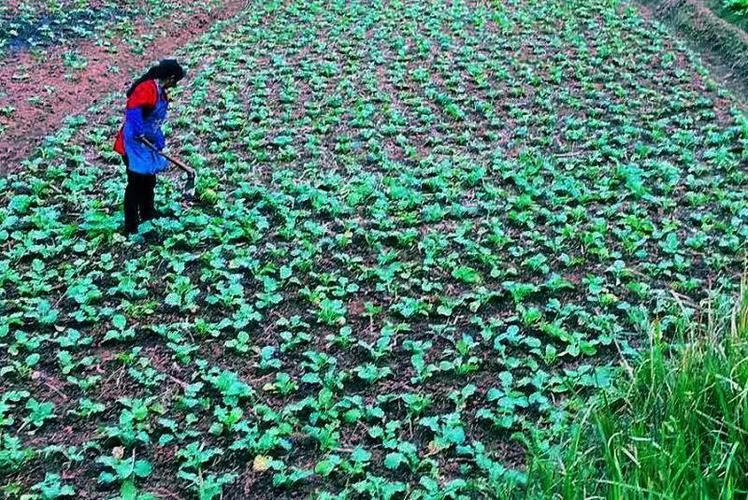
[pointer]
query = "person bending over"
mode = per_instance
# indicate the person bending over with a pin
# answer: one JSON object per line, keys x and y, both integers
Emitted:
{"x": 140, "y": 139}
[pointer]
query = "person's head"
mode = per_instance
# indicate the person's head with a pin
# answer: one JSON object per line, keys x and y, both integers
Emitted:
{"x": 168, "y": 72}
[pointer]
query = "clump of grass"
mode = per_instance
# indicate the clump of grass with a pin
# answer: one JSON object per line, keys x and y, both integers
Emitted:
{"x": 677, "y": 428}
{"x": 737, "y": 5}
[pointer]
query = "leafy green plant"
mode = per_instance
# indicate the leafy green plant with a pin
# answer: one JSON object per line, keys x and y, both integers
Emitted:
{"x": 124, "y": 471}
{"x": 331, "y": 312}
{"x": 39, "y": 412}
{"x": 120, "y": 330}
{"x": 53, "y": 487}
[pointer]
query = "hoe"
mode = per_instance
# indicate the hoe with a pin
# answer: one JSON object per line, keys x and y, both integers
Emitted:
{"x": 189, "y": 185}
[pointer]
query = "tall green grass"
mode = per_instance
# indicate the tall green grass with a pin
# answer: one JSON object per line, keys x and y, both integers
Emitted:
{"x": 677, "y": 428}
{"x": 738, "y": 5}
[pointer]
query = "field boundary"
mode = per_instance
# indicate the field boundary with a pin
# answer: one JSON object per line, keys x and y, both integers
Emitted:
{"x": 722, "y": 45}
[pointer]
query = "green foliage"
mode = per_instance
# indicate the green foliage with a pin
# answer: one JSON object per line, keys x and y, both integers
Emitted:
{"x": 53, "y": 487}
{"x": 675, "y": 429}
{"x": 39, "y": 412}
{"x": 423, "y": 231}
{"x": 737, "y": 5}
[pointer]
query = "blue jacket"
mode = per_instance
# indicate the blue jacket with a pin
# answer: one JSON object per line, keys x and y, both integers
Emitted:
{"x": 146, "y": 111}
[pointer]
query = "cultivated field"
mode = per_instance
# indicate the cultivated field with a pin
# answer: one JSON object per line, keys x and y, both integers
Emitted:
{"x": 423, "y": 231}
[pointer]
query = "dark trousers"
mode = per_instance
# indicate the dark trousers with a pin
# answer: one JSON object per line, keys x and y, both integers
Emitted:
{"x": 139, "y": 198}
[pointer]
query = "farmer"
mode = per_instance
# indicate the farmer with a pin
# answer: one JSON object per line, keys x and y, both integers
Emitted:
{"x": 147, "y": 103}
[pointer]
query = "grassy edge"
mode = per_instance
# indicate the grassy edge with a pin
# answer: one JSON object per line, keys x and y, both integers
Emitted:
{"x": 732, "y": 14}
{"x": 677, "y": 427}
{"x": 722, "y": 45}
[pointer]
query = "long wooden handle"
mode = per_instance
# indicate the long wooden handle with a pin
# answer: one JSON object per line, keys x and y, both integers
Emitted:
{"x": 175, "y": 161}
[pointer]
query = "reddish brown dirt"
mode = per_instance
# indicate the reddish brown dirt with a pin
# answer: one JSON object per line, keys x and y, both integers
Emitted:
{"x": 11, "y": 5}
{"x": 30, "y": 122}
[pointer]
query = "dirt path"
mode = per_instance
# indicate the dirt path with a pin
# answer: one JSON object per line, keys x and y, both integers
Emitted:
{"x": 41, "y": 97}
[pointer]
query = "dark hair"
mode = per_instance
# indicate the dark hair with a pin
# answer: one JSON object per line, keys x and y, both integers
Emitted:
{"x": 164, "y": 69}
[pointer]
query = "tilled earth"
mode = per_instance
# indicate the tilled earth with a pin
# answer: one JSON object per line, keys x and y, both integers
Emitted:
{"x": 60, "y": 76}
{"x": 423, "y": 230}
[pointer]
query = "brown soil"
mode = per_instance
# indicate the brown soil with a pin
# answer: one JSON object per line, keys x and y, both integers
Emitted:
{"x": 722, "y": 45}
{"x": 22, "y": 77}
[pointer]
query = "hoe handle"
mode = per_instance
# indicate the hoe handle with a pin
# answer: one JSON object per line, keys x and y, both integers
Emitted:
{"x": 190, "y": 171}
